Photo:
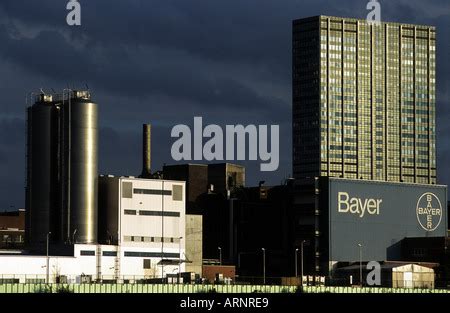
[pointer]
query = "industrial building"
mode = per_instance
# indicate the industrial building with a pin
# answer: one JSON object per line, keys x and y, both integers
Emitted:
{"x": 321, "y": 225}
{"x": 129, "y": 229}
{"x": 143, "y": 213}
{"x": 364, "y": 187}
{"x": 89, "y": 263}
{"x": 346, "y": 220}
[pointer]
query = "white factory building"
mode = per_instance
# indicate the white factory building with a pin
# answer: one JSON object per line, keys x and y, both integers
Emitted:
{"x": 141, "y": 236}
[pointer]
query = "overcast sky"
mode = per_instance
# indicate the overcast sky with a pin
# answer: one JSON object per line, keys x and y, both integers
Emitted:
{"x": 164, "y": 62}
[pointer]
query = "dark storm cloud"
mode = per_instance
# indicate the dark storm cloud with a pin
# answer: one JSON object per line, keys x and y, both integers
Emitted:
{"x": 221, "y": 30}
{"x": 165, "y": 62}
{"x": 118, "y": 73}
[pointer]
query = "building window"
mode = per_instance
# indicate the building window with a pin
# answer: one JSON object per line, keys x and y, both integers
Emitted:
{"x": 13, "y": 280}
{"x": 147, "y": 263}
{"x": 109, "y": 253}
{"x": 127, "y": 188}
{"x": 177, "y": 194}
{"x": 87, "y": 252}
{"x": 152, "y": 192}
{"x": 159, "y": 213}
{"x": 150, "y": 254}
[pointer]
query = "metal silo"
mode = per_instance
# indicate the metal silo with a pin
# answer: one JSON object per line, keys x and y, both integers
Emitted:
{"x": 79, "y": 168}
{"x": 42, "y": 169}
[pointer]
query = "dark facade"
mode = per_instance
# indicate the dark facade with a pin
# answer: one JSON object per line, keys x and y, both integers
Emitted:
{"x": 433, "y": 249}
{"x": 196, "y": 178}
{"x": 364, "y": 99}
{"x": 217, "y": 226}
{"x": 264, "y": 219}
{"x": 223, "y": 178}
{"x": 212, "y": 192}
{"x": 253, "y": 219}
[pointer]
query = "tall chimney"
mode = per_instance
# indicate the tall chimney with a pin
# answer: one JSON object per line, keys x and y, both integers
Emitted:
{"x": 146, "y": 150}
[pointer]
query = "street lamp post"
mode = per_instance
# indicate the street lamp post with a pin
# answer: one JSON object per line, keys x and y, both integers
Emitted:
{"x": 264, "y": 265}
{"x": 296, "y": 263}
{"x": 48, "y": 259}
{"x": 360, "y": 264}
{"x": 220, "y": 255}
{"x": 301, "y": 252}
{"x": 179, "y": 259}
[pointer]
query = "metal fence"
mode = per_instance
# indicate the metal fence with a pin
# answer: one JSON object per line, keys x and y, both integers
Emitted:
{"x": 82, "y": 278}
{"x": 185, "y": 288}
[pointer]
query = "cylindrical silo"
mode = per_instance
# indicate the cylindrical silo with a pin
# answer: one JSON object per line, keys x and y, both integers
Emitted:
{"x": 42, "y": 169}
{"x": 79, "y": 168}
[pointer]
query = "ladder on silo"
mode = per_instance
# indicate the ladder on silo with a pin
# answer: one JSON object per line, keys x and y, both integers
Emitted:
{"x": 117, "y": 264}
{"x": 99, "y": 262}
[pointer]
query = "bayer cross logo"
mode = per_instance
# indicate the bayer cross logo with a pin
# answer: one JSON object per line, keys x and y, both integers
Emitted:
{"x": 429, "y": 211}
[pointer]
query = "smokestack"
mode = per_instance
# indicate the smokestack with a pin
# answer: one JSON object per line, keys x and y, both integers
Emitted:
{"x": 146, "y": 150}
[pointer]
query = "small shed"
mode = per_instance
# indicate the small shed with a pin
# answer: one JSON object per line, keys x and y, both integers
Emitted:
{"x": 412, "y": 276}
{"x": 393, "y": 274}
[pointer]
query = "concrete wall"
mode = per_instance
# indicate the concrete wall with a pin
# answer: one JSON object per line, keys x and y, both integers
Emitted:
{"x": 194, "y": 242}
{"x": 167, "y": 226}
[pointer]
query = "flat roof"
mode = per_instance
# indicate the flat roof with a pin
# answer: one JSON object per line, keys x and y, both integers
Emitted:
{"x": 140, "y": 178}
{"x": 354, "y": 19}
